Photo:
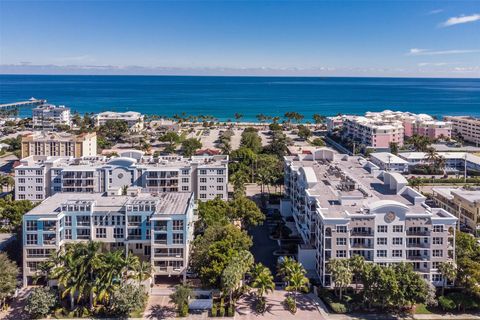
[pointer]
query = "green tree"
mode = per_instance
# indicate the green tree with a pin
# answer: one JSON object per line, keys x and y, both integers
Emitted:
{"x": 235, "y": 271}
{"x": 393, "y": 147}
{"x": 128, "y": 298}
{"x": 341, "y": 274}
{"x": 114, "y": 130}
{"x": 245, "y": 210}
{"x": 189, "y": 146}
{"x": 214, "y": 250}
{"x": 172, "y": 139}
{"x": 318, "y": 142}
{"x": 448, "y": 270}
{"x": 8, "y": 280}
{"x": 356, "y": 264}
{"x": 304, "y": 132}
{"x": 297, "y": 282}
{"x": 238, "y": 116}
{"x": 318, "y": 118}
{"x": 262, "y": 280}
{"x": 180, "y": 298}
{"x": 40, "y": 302}
{"x": 250, "y": 139}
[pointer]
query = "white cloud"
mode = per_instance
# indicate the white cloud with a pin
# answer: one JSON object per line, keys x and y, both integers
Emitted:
{"x": 436, "y": 11}
{"x": 428, "y": 52}
{"x": 432, "y": 64}
{"x": 461, "y": 19}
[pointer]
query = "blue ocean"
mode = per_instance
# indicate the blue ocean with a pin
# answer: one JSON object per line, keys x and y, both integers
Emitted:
{"x": 222, "y": 97}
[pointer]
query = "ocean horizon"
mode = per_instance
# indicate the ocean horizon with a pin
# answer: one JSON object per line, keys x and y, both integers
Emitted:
{"x": 223, "y": 96}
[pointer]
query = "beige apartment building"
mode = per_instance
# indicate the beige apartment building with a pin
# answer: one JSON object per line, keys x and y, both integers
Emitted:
{"x": 463, "y": 203}
{"x": 467, "y": 127}
{"x": 43, "y": 143}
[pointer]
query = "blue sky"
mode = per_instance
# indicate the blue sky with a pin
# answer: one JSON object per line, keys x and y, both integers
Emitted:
{"x": 370, "y": 38}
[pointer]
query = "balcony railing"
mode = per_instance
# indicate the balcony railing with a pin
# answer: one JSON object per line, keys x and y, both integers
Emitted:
{"x": 418, "y": 245}
{"x": 418, "y": 233}
{"x": 160, "y": 241}
{"x": 361, "y": 233}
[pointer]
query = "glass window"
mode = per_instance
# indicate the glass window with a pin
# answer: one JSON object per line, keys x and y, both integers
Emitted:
{"x": 381, "y": 241}
{"x": 382, "y": 229}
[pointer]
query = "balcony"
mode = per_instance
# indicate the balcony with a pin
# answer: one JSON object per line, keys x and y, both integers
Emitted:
{"x": 362, "y": 245}
{"x": 134, "y": 237}
{"x": 418, "y": 245}
{"x": 417, "y": 257}
{"x": 361, "y": 233}
{"x": 160, "y": 241}
{"x": 418, "y": 233}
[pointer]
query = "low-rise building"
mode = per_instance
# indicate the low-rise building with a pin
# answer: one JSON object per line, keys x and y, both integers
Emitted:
{"x": 345, "y": 206}
{"x": 456, "y": 162}
{"x": 463, "y": 203}
{"x": 134, "y": 120}
{"x": 37, "y": 178}
{"x": 43, "y": 143}
{"x": 47, "y": 116}
{"x": 157, "y": 228}
{"x": 467, "y": 127}
{"x": 389, "y": 162}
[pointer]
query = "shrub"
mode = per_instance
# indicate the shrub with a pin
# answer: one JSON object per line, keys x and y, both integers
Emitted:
{"x": 231, "y": 311}
{"x": 221, "y": 311}
{"x": 127, "y": 299}
{"x": 338, "y": 307}
{"x": 446, "y": 303}
{"x": 183, "y": 312}
{"x": 214, "y": 310}
{"x": 40, "y": 302}
{"x": 290, "y": 304}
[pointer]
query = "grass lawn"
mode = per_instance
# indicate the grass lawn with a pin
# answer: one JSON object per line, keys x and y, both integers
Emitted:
{"x": 422, "y": 309}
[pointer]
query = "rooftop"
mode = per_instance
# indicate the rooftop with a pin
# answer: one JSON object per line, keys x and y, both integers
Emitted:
{"x": 165, "y": 203}
{"x": 387, "y": 157}
{"x": 468, "y": 195}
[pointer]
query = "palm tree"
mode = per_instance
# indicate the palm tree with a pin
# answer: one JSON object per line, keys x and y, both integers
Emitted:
{"x": 298, "y": 282}
{"x": 142, "y": 271}
{"x": 286, "y": 267}
{"x": 357, "y": 263}
{"x": 238, "y": 116}
{"x": 263, "y": 282}
{"x": 180, "y": 297}
{"x": 341, "y": 274}
{"x": 448, "y": 271}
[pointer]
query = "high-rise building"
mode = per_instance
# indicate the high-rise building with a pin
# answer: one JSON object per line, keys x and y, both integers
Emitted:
{"x": 467, "y": 127}
{"x": 48, "y": 116}
{"x": 134, "y": 120}
{"x": 345, "y": 205}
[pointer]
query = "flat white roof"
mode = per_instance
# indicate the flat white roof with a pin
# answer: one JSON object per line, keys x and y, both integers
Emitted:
{"x": 387, "y": 157}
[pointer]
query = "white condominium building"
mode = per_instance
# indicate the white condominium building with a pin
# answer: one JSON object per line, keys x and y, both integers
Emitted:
{"x": 49, "y": 115}
{"x": 345, "y": 206}
{"x": 43, "y": 143}
{"x": 467, "y": 127}
{"x": 134, "y": 120}
{"x": 455, "y": 162}
{"x": 37, "y": 178}
{"x": 157, "y": 228}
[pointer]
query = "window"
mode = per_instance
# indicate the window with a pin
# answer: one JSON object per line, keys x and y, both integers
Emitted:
{"x": 436, "y": 277}
{"x": 341, "y": 253}
{"x": 382, "y": 229}
{"x": 31, "y": 239}
{"x": 31, "y": 225}
{"x": 21, "y": 196}
{"x": 220, "y": 171}
{"x": 39, "y": 196}
{"x": 38, "y": 188}
{"x": 437, "y": 253}
{"x": 184, "y": 171}
{"x": 203, "y": 180}
{"x": 397, "y": 253}
{"x": 220, "y": 180}
{"x": 381, "y": 241}
{"x": 21, "y": 188}
{"x": 219, "y": 188}
{"x": 178, "y": 238}
{"x": 21, "y": 172}
{"x": 21, "y": 180}
{"x": 68, "y": 233}
{"x": 203, "y": 171}
{"x": 39, "y": 180}
{"x": 435, "y": 264}
{"x": 203, "y": 188}
{"x": 437, "y": 240}
{"x": 101, "y": 233}
{"x": 138, "y": 246}
{"x": 381, "y": 253}
{"x": 437, "y": 228}
{"x": 177, "y": 225}
{"x": 397, "y": 228}
{"x": 185, "y": 180}
{"x": 341, "y": 241}
{"x": 118, "y": 233}
{"x": 203, "y": 196}
{"x": 184, "y": 188}
{"x": 342, "y": 229}
{"x": 397, "y": 241}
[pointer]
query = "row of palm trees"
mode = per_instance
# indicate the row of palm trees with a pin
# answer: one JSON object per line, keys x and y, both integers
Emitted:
{"x": 85, "y": 274}
{"x": 8, "y": 182}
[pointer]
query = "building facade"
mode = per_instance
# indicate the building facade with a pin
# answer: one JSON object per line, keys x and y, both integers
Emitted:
{"x": 345, "y": 206}
{"x": 37, "y": 178}
{"x": 467, "y": 127}
{"x": 42, "y": 143}
{"x": 455, "y": 162}
{"x": 49, "y": 115}
{"x": 157, "y": 228}
{"x": 463, "y": 203}
{"x": 379, "y": 129}
{"x": 134, "y": 120}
